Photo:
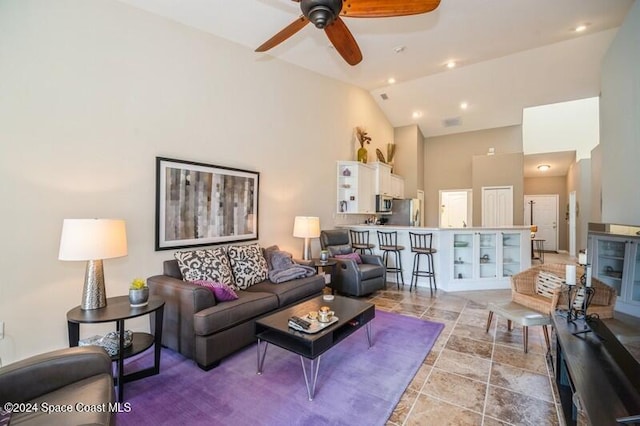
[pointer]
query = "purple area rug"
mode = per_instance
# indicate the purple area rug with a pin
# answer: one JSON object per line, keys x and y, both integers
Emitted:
{"x": 356, "y": 385}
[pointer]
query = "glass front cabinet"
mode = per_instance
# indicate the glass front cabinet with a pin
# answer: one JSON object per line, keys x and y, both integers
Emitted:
{"x": 615, "y": 260}
{"x": 488, "y": 255}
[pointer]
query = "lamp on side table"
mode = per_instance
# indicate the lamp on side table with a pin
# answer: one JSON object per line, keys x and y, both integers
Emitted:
{"x": 306, "y": 227}
{"x": 93, "y": 240}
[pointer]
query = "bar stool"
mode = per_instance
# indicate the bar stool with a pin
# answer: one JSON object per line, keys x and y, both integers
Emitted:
{"x": 360, "y": 241}
{"x": 421, "y": 244}
{"x": 388, "y": 243}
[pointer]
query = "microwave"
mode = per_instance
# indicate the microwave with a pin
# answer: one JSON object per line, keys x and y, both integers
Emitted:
{"x": 384, "y": 203}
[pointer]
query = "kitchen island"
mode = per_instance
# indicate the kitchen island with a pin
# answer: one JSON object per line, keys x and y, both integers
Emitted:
{"x": 467, "y": 258}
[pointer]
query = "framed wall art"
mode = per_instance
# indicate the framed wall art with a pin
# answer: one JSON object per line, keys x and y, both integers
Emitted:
{"x": 201, "y": 204}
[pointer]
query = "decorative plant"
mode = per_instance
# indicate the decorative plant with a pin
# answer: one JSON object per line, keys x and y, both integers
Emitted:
{"x": 361, "y": 133}
{"x": 138, "y": 284}
{"x": 391, "y": 151}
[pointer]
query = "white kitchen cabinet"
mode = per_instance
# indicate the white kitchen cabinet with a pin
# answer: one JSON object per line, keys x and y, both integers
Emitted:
{"x": 397, "y": 186}
{"x": 355, "y": 192}
{"x": 615, "y": 260}
{"x": 382, "y": 179}
{"x": 487, "y": 255}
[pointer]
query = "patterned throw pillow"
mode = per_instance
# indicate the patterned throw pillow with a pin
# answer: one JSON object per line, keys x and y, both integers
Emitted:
{"x": 248, "y": 265}
{"x": 207, "y": 265}
{"x": 353, "y": 256}
{"x": 222, "y": 292}
{"x": 547, "y": 284}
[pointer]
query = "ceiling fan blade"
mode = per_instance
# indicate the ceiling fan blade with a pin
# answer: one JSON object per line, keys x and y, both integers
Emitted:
{"x": 343, "y": 41}
{"x": 386, "y": 8}
{"x": 286, "y": 32}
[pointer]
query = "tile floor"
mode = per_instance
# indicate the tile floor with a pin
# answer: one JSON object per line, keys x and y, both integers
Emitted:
{"x": 474, "y": 377}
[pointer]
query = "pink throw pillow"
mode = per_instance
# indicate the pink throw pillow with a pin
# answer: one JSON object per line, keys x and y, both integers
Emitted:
{"x": 353, "y": 256}
{"x": 221, "y": 291}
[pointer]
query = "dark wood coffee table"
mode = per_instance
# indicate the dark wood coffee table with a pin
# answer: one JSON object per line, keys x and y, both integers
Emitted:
{"x": 352, "y": 315}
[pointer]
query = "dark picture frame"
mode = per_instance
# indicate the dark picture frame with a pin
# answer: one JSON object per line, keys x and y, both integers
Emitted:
{"x": 200, "y": 204}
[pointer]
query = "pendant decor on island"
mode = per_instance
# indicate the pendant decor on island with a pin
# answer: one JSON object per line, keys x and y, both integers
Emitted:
{"x": 363, "y": 139}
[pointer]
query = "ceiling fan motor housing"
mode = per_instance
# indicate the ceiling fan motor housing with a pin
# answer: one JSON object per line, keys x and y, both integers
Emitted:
{"x": 321, "y": 12}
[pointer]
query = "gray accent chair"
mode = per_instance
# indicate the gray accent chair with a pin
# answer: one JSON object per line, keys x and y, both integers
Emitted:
{"x": 78, "y": 375}
{"x": 349, "y": 277}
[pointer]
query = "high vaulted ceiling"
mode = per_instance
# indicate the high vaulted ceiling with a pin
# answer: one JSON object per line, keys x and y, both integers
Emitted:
{"x": 510, "y": 54}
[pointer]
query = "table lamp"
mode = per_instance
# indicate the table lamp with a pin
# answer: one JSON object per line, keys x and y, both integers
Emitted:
{"x": 93, "y": 240}
{"x": 306, "y": 227}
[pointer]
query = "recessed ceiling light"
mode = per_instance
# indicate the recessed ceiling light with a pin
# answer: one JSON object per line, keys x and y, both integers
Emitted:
{"x": 464, "y": 105}
{"x": 416, "y": 114}
{"x": 451, "y": 64}
{"x": 399, "y": 49}
{"x": 580, "y": 28}
{"x": 391, "y": 80}
{"x": 544, "y": 167}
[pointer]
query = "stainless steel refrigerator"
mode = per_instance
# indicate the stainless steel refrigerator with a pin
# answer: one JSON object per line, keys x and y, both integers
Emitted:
{"x": 405, "y": 213}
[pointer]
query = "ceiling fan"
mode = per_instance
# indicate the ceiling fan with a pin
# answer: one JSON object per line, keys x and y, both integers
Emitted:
{"x": 325, "y": 14}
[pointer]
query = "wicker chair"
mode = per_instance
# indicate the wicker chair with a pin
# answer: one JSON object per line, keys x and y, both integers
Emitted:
{"x": 523, "y": 291}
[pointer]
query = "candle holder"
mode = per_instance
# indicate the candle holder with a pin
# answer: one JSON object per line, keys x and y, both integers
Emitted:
{"x": 579, "y": 299}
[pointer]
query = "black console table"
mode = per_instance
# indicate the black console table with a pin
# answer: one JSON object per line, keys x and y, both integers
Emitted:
{"x": 118, "y": 310}
{"x": 597, "y": 378}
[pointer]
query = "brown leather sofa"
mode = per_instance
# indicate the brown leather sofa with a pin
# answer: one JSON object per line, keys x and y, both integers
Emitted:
{"x": 77, "y": 377}
{"x": 198, "y": 327}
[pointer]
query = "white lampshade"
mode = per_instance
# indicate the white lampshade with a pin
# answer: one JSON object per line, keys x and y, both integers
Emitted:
{"x": 92, "y": 239}
{"x": 306, "y": 227}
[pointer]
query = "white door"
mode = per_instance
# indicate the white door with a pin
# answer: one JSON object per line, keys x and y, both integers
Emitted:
{"x": 545, "y": 217}
{"x": 454, "y": 209}
{"x": 497, "y": 206}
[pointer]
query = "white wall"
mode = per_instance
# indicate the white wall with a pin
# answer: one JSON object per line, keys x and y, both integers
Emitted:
{"x": 91, "y": 92}
{"x": 564, "y": 126}
{"x": 620, "y": 124}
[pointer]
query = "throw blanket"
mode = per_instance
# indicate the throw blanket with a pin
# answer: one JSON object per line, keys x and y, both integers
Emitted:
{"x": 285, "y": 269}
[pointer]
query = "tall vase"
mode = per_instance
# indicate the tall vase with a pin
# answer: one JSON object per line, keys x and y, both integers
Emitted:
{"x": 362, "y": 155}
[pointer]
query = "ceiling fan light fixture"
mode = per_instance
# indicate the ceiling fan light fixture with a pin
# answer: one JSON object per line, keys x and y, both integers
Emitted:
{"x": 544, "y": 167}
{"x": 321, "y": 12}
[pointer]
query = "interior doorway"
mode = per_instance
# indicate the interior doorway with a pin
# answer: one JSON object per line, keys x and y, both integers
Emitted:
{"x": 545, "y": 217}
{"x": 572, "y": 223}
{"x": 420, "y": 197}
{"x": 456, "y": 208}
{"x": 497, "y": 206}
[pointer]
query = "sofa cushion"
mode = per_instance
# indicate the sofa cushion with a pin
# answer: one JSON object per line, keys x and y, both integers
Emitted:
{"x": 368, "y": 271}
{"x": 207, "y": 265}
{"x": 92, "y": 391}
{"x": 226, "y": 315}
{"x": 221, "y": 291}
{"x": 291, "y": 291}
{"x": 248, "y": 265}
{"x": 547, "y": 284}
